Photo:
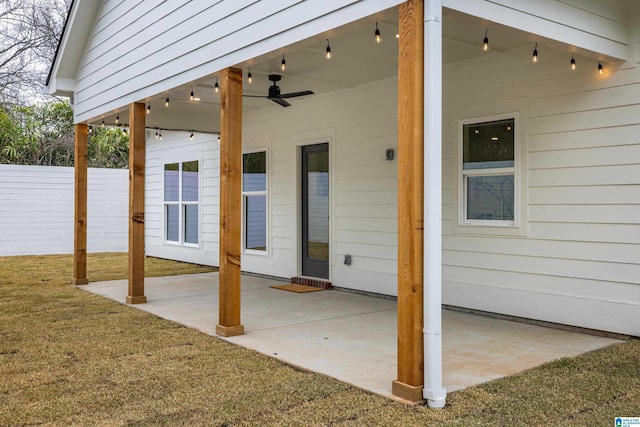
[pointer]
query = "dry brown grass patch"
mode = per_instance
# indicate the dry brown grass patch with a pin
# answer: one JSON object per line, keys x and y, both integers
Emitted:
{"x": 68, "y": 357}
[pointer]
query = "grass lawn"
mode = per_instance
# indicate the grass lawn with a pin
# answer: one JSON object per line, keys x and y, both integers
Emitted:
{"x": 68, "y": 357}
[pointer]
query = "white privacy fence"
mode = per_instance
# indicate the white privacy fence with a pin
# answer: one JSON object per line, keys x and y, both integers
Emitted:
{"x": 36, "y": 210}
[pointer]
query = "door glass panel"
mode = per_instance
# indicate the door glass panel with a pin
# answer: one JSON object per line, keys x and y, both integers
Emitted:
{"x": 318, "y": 205}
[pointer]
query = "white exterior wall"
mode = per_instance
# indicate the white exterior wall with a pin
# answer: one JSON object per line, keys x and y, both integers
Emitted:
{"x": 577, "y": 259}
{"x": 36, "y": 210}
{"x": 359, "y": 124}
{"x": 574, "y": 259}
{"x": 176, "y": 147}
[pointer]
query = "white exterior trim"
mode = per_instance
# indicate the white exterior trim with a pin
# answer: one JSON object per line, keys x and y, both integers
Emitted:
{"x": 265, "y": 193}
{"x": 517, "y": 109}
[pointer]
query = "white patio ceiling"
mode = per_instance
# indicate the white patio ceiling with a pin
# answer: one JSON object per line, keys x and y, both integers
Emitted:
{"x": 356, "y": 59}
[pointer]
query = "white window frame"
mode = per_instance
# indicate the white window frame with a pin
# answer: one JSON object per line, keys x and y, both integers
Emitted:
{"x": 517, "y": 110}
{"x": 246, "y": 194}
{"x": 181, "y": 205}
{"x": 466, "y": 173}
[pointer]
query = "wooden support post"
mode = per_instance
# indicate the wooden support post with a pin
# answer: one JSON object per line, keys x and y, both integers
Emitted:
{"x": 410, "y": 380}
{"x": 137, "y": 140}
{"x": 80, "y": 206}
{"x": 230, "y": 202}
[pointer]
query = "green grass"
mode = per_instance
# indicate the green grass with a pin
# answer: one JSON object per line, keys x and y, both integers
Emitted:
{"x": 68, "y": 357}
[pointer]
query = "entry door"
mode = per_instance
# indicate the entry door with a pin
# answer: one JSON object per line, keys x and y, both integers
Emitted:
{"x": 315, "y": 210}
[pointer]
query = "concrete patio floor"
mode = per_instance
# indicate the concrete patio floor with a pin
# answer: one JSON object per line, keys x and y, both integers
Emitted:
{"x": 352, "y": 337}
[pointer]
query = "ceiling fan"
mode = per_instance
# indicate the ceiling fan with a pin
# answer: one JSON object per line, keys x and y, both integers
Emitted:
{"x": 276, "y": 96}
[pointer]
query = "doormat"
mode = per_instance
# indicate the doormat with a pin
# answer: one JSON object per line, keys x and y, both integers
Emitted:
{"x": 294, "y": 287}
{"x": 318, "y": 283}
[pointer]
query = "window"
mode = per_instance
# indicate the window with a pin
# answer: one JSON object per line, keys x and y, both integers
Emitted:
{"x": 181, "y": 202}
{"x": 488, "y": 172}
{"x": 254, "y": 200}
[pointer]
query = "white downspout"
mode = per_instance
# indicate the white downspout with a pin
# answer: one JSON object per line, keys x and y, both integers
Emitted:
{"x": 434, "y": 392}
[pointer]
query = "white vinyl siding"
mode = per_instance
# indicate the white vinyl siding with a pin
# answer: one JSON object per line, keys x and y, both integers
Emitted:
{"x": 176, "y": 147}
{"x": 577, "y": 259}
{"x": 578, "y": 263}
{"x": 359, "y": 124}
{"x": 140, "y": 48}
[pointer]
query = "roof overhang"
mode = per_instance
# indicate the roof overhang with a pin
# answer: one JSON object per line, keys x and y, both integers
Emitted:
{"x": 560, "y": 24}
{"x": 76, "y": 32}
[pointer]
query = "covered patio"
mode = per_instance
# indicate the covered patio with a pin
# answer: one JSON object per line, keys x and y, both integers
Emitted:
{"x": 391, "y": 217}
{"x": 351, "y": 336}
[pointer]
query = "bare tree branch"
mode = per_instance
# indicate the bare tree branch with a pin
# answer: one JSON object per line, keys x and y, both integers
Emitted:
{"x": 29, "y": 34}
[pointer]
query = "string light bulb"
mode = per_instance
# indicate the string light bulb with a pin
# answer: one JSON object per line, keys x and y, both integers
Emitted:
{"x": 485, "y": 42}
{"x": 283, "y": 64}
{"x": 377, "y": 34}
{"x": 216, "y": 87}
{"x": 535, "y": 53}
{"x": 328, "y": 51}
{"x": 117, "y": 119}
{"x": 249, "y": 77}
{"x": 166, "y": 102}
{"x": 573, "y": 63}
{"x": 149, "y": 108}
{"x": 191, "y": 137}
{"x": 191, "y": 97}
{"x": 102, "y": 124}
{"x": 600, "y": 68}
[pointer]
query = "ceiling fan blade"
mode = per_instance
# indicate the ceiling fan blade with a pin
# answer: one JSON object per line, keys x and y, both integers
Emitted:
{"x": 280, "y": 101}
{"x": 295, "y": 94}
{"x": 255, "y": 96}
